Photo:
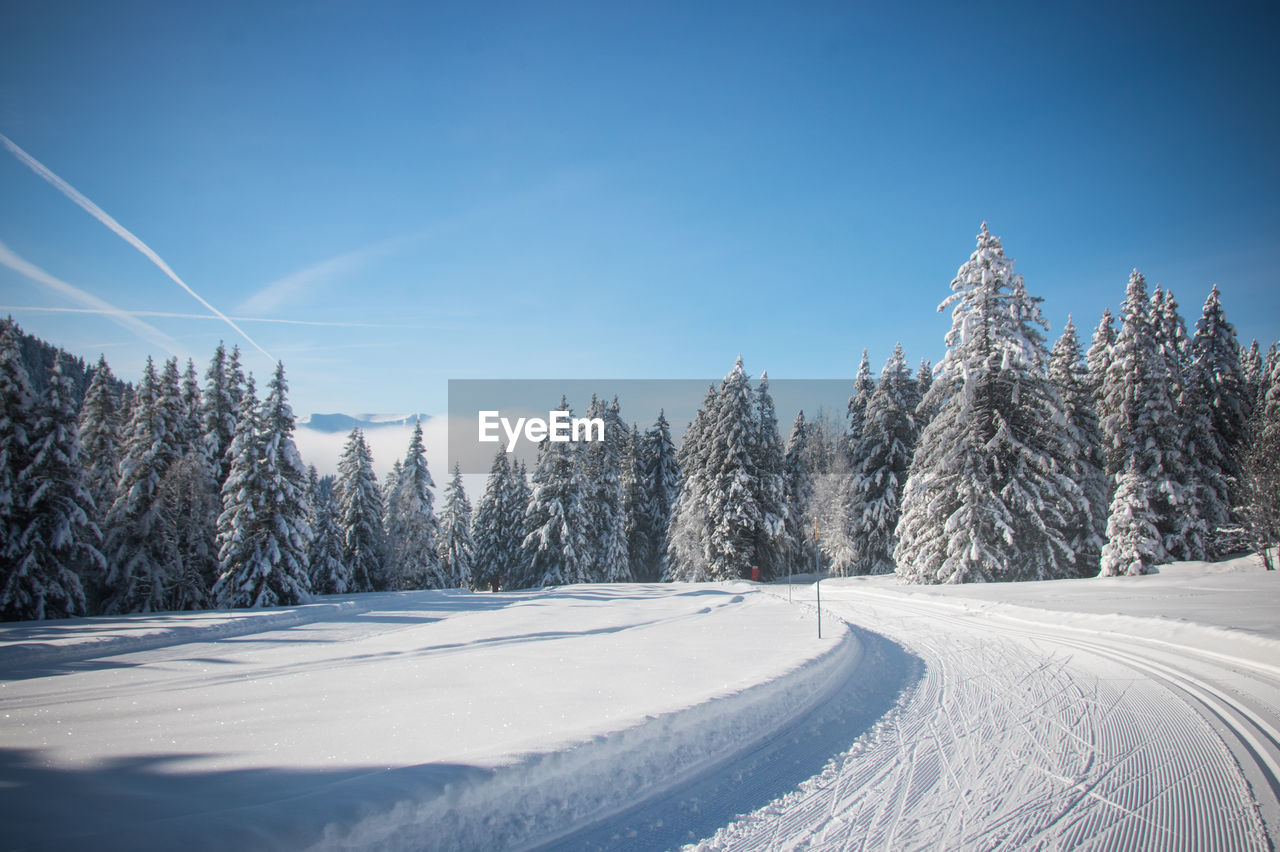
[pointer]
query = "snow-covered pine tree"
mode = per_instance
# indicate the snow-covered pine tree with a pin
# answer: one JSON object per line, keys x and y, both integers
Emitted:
{"x": 142, "y": 562}
{"x": 188, "y": 503}
{"x": 1215, "y": 359}
{"x": 1084, "y": 463}
{"x": 59, "y": 542}
{"x": 661, "y": 479}
{"x": 924, "y": 381}
{"x": 17, "y": 417}
{"x": 606, "y": 549}
{"x": 359, "y": 509}
{"x": 559, "y": 529}
{"x": 518, "y": 500}
{"x": 264, "y": 532}
{"x": 1185, "y": 530}
{"x": 1270, "y": 375}
{"x": 239, "y": 542}
{"x": 1098, "y": 358}
{"x": 771, "y": 550}
{"x": 172, "y": 408}
{"x": 799, "y": 478}
{"x": 884, "y": 457}
{"x": 329, "y": 576}
{"x": 1259, "y": 486}
{"x": 1251, "y": 374}
{"x": 1134, "y": 544}
{"x": 734, "y": 513}
{"x": 496, "y": 533}
{"x": 687, "y": 558}
{"x": 191, "y": 433}
{"x": 100, "y": 438}
{"x": 286, "y": 580}
{"x": 986, "y": 498}
{"x": 863, "y": 387}
{"x": 634, "y": 496}
{"x": 389, "y": 499}
{"x": 413, "y": 531}
{"x": 219, "y": 411}
{"x": 1143, "y": 438}
{"x": 457, "y": 550}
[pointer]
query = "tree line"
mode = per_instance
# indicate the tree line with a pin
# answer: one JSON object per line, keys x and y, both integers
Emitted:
{"x": 1010, "y": 460}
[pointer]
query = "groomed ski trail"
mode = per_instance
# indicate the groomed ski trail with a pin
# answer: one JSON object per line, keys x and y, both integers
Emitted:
{"x": 1022, "y": 735}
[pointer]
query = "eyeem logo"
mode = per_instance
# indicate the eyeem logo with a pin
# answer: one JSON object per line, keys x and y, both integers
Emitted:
{"x": 559, "y": 426}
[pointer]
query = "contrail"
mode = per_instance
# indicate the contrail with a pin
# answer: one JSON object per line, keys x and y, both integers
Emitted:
{"x": 120, "y": 230}
{"x": 96, "y": 305}
{"x": 180, "y": 315}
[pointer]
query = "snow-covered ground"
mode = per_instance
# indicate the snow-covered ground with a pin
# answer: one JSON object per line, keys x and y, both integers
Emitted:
{"x": 418, "y": 720}
{"x": 1114, "y": 714}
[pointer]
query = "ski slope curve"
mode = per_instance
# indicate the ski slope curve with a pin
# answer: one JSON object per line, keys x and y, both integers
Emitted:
{"x": 1026, "y": 732}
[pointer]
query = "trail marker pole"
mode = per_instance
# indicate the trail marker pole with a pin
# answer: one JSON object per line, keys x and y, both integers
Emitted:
{"x": 818, "y": 583}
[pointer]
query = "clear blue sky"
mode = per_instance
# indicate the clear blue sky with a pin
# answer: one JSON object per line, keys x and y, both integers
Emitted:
{"x": 543, "y": 190}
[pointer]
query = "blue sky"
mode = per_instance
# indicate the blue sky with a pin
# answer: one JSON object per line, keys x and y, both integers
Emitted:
{"x": 543, "y": 190}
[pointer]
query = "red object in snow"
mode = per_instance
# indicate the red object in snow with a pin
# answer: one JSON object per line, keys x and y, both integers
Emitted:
{"x": 755, "y": 575}
{"x": 494, "y": 584}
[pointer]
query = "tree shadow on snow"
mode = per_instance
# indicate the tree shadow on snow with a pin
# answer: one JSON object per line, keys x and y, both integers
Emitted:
{"x": 145, "y": 803}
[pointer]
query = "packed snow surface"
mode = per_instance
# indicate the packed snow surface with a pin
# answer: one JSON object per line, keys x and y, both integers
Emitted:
{"x": 1125, "y": 713}
{"x": 418, "y": 719}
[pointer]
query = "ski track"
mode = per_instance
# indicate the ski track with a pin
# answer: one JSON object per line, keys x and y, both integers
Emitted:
{"x": 1024, "y": 736}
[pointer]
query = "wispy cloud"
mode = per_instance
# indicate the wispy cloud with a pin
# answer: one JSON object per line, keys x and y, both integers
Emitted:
{"x": 179, "y": 315}
{"x": 92, "y": 303}
{"x": 296, "y": 284}
{"x": 119, "y": 230}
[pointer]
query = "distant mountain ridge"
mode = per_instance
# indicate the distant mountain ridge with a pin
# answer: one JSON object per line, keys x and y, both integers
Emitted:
{"x": 347, "y": 422}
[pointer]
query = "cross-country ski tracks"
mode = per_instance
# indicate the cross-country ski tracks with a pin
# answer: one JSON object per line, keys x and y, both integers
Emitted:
{"x": 1027, "y": 736}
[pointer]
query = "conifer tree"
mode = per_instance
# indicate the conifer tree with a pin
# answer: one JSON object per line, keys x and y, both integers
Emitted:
{"x": 1084, "y": 463}
{"x": 883, "y": 459}
{"x": 413, "y": 531}
{"x": 100, "y": 438}
{"x": 1251, "y": 374}
{"x": 457, "y": 550}
{"x": 986, "y": 498}
{"x": 1098, "y": 358}
{"x": 771, "y": 543}
{"x": 1259, "y": 508}
{"x": 687, "y": 547}
{"x": 219, "y": 411}
{"x": 1143, "y": 439}
{"x": 389, "y": 496}
{"x": 329, "y": 576}
{"x": 559, "y": 529}
{"x": 734, "y": 513}
{"x": 191, "y": 431}
{"x": 497, "y": 532}
{"x": 359, "y": 509}
{"x": 17, "y": 417}
{"x": 661, "y": 480}
{"x": 518, "y": 500}
{"x": 59, "y": 540}
{"x": 1215, "y": 359}
{"x": 606, "y": 546}
{"x": 634, "y": 497}
{"x": 924, "y": 381}
{"x": 863, "y": 387}
{"x": 265, "y": 530}
{"x": 142, "y": 561}
{"x": 797, "y": 465}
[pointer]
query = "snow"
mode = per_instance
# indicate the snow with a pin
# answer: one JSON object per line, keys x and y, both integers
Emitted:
{"x": 1126, "y": 712}
{"x": 377, "y": 715}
